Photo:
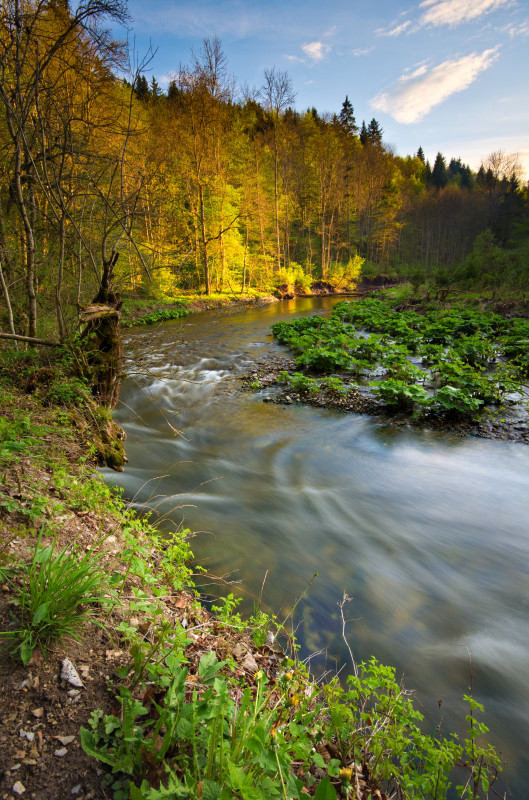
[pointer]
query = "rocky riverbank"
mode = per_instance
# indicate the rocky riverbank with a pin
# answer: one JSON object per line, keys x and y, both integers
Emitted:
{"x": 265, "y": 377}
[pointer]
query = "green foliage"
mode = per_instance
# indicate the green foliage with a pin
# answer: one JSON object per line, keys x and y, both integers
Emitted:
{"x": 453, "y": 399}
{"x": 17, "y": 435}
{"x": 221, "y": 742}
{"x": 300, "y": 383}
{"x": 56, "y": 597}
{"x": 161, "y": 315}
{"x": 207, "y": 744}
{"x": 333, "y": 386}
{"x": 399, "y": 393}
{"x": 472, "y": 359}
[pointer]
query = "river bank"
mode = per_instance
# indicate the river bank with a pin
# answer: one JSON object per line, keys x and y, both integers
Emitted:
{"x": 51, "y": 497}
{"x": 266, "y": 377}
{"x": 144, "y": 630}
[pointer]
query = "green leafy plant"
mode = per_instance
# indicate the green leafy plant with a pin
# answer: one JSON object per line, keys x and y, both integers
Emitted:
{"x": 57, "y": 596}
{"x": 400, "y": 394}
{"x": 454, "y": 399}
{"x": 302, "y": 383}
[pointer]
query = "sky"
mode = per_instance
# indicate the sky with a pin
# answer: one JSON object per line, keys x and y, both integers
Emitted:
{"x": 451, "y": 76}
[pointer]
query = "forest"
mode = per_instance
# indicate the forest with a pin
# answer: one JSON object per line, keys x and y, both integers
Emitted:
{"x": 107, "y": 180}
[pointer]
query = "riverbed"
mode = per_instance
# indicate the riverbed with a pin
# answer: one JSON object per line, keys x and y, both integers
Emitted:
{"x": 427, "y": 531}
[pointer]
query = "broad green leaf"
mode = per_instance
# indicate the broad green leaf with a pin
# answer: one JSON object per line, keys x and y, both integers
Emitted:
{"x": 41, "y": 613}
{"x": 325, "y": 790}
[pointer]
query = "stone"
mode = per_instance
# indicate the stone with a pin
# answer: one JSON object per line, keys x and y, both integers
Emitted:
{"x": 61, "y": 753}
{"x": 65, "y": 739}
{"x": 250, "y": 663}
{"x": 70, "y": 674}
{"x": 19, "y": 788}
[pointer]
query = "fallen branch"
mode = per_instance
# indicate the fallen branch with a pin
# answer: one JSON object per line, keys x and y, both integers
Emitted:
{"x": 30, "y": 339}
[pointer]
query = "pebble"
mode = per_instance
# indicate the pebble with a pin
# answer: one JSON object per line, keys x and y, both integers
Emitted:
{"x": 65, "y": 739}
{"x": 37, "y": 712}
{"x": 61, "y": 753}
{"x": 29, "y": 735}
{"x": 19, "y": 788}
{"x": 76, "y": 789}
{"x": 70, "y": 674}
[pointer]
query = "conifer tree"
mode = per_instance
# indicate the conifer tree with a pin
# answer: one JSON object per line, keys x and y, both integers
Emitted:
{"x": 364, "y": 138}
{"x": 439, "y": 172}
{"x": 374, "y": 133}
{"x": 347, "y": 119}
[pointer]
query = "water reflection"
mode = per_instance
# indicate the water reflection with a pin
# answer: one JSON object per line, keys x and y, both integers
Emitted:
{"x": 427, "y": 532}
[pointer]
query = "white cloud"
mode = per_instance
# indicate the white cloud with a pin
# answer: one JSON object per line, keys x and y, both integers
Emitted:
{"x": 444, "y": 12}
{"x": 413, "y": 96}
{"x": 518, "y": 30}
{"x": 395, "y": 31}
{"x": 454, "y": 12}
{"x": 315, "y": 50}
{"x": 361, "y": 51}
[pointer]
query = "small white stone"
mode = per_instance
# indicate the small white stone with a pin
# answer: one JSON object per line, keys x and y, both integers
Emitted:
{"x": 61, "y": 753}
{"x": 70, "y": 674}
{"x": 29, "y": 735}
{"x": 65, "y": 739}
{"x": 19, "y": 788}
{"x": 76, "y": 789}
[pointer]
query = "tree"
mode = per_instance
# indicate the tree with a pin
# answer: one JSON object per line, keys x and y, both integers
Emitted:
{"x": 142, "y": 88}
{"x": 439, "y": 172}
{"x": 277, "y": 94}
{"x": 347, "y": 119}
{"x": 42, "y": 44}
{"x": 420, "y": 155}
{"x": 363, "y": 134}
{"x": 374, "y": 133}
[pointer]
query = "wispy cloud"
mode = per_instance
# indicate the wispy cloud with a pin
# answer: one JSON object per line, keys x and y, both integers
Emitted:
{"x": 316, "y": 50}
{"x": 414, "y": 95}
{"x": 397, "y": 30}
{"x": 361, "y": 51}
{"x": 454, "y": 12}
{"x": 433, "y": 13}
{"x": 518, "y": 30}
{"x": 200, "y": 18}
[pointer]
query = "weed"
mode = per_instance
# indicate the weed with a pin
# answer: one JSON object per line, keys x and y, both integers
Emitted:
{"x": 57, "y": 596}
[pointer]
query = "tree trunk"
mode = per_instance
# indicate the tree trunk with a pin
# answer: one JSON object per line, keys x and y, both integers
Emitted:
{"x": 102, "y": 319}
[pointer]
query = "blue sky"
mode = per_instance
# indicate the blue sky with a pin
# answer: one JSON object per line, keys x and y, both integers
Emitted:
{"x": 449, "y": 75}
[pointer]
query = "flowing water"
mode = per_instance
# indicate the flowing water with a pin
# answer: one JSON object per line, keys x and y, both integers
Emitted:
{"x": 427, "y": 532}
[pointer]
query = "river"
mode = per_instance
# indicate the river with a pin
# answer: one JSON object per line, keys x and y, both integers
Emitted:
{"x": 427, "y": 532}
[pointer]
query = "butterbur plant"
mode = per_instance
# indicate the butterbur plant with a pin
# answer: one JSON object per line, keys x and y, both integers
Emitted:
{"x": 56, "y": 597}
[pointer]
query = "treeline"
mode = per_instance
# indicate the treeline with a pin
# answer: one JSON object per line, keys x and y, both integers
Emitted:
{"x": 109, "y": 181}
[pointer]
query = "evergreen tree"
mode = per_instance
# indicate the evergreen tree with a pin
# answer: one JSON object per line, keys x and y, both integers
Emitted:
{"x": 420, "y": 155}
{"x": 347, "y": 118}
{"x": 173, "y": 92}
{"x": 364, "y": 138}
{"x": 374, "y": 133}
{"x": 439, "y": 172}
{"x": 155, "y": 91}
{"x": 428, "y": 174}
{"x": 142, "y": 88}
{"x": 467, "y": 177}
